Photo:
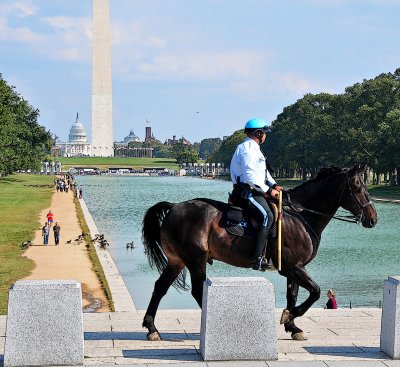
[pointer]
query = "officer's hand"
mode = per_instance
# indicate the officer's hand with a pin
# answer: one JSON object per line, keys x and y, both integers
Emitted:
{"x": 278, "y": 188}
{"x": 275, "y": 194}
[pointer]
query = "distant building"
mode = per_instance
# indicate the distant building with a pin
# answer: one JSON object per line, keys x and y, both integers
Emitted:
{"x": 131, "y": 146}
{"x": 173, "y": 141}
{"x": 149, "y": 135}
{"x": 131, "y": 138}
{"x": 77, "y": 144}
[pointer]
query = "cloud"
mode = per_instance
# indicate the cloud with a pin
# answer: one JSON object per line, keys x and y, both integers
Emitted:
{"x": 202, "y": 65}
{"x": 20, "y": 8}
{"x": 263, "y": 84}
{"x": 136, "y": 33}
{"x": 71, "y": 37}
{"x": 17, "y": 34}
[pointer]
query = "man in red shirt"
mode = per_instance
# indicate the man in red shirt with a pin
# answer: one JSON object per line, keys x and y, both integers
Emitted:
{"x": 50, "y": 218}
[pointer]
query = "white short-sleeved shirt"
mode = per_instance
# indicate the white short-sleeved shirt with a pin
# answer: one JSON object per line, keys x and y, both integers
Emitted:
{"x": 248, "y": 163}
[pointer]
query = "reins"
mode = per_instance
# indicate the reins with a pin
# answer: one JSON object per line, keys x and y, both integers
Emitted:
{"x": 343, "y": 218}
{"x": 357, "y": 219}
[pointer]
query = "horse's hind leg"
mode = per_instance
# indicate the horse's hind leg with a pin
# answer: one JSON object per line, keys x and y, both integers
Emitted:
{"x": 197, "y": 271}
{"x": 161, "y": 287}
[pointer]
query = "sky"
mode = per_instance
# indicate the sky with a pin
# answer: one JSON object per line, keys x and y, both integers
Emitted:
{"x": 191, "y": 68}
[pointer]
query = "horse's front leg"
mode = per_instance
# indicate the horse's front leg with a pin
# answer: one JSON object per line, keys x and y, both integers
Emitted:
{"x": 301, "y": 278}
{"x": 292, "y": 292}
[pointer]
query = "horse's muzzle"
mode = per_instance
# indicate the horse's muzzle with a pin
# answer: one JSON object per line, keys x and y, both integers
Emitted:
{"x": 369, "y": 222}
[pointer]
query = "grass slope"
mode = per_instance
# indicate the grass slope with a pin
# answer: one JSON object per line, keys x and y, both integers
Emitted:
{"x": 20, "y": 206}
{"x": 93, "y": 255}
{"x": 106, "y": 162}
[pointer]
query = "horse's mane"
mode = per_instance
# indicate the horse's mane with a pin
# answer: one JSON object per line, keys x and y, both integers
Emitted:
{"x": 325, "y": 173}
{"x": 321, "y": 175}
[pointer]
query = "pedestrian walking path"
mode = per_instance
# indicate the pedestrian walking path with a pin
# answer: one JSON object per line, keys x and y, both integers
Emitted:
{"x": 336, "y": 338}
{"x": 68, "y": 260}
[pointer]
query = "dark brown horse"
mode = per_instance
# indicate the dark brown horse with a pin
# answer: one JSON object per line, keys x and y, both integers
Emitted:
{"x": 188, "y": 235}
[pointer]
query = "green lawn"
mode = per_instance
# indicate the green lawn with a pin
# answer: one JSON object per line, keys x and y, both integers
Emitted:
{"x": 384, "y": 192}
{"x": 20, "y": 206}
{"x": 103, "y": 163}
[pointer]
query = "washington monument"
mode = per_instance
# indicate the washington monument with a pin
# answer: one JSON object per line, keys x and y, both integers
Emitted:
{"x": 102, "y": 121}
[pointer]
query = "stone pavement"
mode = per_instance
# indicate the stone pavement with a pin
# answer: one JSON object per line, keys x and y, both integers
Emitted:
{"x": 336, "y": 338}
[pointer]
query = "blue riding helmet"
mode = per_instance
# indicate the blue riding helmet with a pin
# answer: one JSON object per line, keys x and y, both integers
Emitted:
{"x": 256, "y": 124}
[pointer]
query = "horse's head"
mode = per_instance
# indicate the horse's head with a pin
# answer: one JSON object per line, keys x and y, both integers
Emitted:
{"x": 356, "y": 199}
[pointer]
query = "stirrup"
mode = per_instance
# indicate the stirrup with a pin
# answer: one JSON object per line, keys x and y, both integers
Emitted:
{"x": 261, "y": 264}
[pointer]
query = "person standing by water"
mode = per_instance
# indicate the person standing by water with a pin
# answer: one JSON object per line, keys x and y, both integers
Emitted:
{"x": 45, "y": 234}
{"x": 331, "y": 304}
{"x": 56, "y": 230}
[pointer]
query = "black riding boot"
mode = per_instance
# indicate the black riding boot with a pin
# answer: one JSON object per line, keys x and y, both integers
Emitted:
{"x": 259, "y": 262}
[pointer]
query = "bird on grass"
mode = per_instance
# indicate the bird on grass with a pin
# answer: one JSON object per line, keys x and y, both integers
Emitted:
{"x": 25, "y": 244}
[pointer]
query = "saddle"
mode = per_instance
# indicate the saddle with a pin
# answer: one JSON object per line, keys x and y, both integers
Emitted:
{"x": 238, "y": 222}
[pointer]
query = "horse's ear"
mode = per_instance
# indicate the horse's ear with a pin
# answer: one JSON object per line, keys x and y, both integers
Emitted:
{"x": 357, "y": 169}
{"x": 363, "y": 167}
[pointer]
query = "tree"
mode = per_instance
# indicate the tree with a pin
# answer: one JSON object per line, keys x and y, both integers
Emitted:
{"x": 23, "y": 142}
{"x": 225, "y": 151}
{"x": 208, "y": 147}
{"x": 185, "y": 153}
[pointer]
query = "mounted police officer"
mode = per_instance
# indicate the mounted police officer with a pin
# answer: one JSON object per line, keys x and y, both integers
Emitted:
{"x": 249, "y": 172}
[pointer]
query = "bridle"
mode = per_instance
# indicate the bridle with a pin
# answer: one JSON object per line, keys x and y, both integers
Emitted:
{"x": 344, "y": 218}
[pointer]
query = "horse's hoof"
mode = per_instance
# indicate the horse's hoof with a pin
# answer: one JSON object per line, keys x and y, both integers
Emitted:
{"x": 154, "y": 337}
{"x": 299, "y": 336}
{"x": 286, "y": 316}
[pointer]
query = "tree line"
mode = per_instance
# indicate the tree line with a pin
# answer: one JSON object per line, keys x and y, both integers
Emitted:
{"x": 361, "y": 125}
{"x": 24, "y": 143}
{"x": 183, "y": 152}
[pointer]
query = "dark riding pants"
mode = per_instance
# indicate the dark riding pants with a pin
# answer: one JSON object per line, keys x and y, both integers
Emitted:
{"x": 259, "y": 209}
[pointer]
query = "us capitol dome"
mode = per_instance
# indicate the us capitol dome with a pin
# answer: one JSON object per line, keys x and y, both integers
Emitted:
{"x": 77, "y": 144}
{"x": 77, "y": 134}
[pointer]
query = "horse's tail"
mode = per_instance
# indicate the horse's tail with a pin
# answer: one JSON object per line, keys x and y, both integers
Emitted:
{"x": 151, "y": 232}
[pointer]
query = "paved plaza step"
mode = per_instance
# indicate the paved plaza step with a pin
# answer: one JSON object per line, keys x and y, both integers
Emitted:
{"x": 350, "y": 335}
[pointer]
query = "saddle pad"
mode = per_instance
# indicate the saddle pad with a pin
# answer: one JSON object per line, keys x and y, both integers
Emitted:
{"x": 239, "y": 230}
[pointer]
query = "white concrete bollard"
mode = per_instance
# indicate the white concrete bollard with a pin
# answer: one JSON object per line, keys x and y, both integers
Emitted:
{"x": 238, "y": 320}
{"x": 44, "y": 324}
{"x": 390, "y": 325}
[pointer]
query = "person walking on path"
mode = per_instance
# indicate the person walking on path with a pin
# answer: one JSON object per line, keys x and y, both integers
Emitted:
{"x": 80, "y": 193}
{"x": 331, "y": 304}
{"x": 45, "y": 234}
{"x": 50, "y": 218}
{"x": 56, "y": 230}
